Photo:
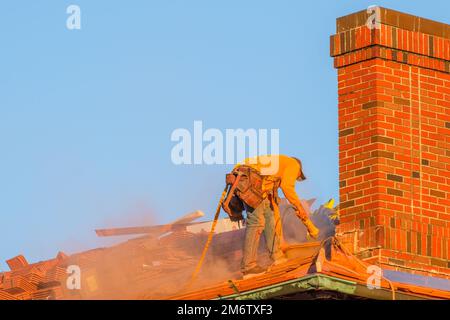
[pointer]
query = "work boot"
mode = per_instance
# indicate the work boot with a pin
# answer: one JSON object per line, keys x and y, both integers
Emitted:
{"x": 280, "y": 261}
{"x": 253, "y": 272}
{"x": 312, "y": 229}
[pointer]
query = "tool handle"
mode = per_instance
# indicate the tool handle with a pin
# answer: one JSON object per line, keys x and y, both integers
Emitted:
{"x": 208, "y": 242}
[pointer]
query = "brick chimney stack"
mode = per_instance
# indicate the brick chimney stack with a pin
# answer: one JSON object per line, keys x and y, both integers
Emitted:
{"x": 394, "y": 139}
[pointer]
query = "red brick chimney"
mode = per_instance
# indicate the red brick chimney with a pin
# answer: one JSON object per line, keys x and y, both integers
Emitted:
{"x": 394, "y": 139}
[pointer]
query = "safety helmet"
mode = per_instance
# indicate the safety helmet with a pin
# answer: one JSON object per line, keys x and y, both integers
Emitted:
{"x": 301, "y": 176}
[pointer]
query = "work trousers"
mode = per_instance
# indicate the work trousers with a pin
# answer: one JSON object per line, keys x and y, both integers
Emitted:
{"x": 265, "y": 218}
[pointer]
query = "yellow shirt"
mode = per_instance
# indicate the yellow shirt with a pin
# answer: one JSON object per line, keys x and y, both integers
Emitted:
{"x": 283, "y": 167}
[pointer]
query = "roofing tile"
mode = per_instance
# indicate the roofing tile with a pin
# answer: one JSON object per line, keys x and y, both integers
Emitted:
{"x": 150, "y": 268}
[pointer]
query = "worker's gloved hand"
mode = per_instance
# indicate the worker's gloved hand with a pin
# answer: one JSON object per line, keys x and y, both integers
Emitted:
{"x": 236, "y": 217}
{"x": 234, "y": 209}
{"x": 312, "y": 229}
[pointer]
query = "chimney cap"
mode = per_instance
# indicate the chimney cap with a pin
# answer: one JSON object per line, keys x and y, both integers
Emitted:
{"x": 396, "y": 19}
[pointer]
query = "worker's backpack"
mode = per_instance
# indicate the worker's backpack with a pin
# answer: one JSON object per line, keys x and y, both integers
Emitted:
{"x": 246, "y": 186}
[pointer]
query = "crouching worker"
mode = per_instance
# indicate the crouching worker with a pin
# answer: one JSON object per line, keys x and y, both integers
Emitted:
{"x": 254, "y": 187}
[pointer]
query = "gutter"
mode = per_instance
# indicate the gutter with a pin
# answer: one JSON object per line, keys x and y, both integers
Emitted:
{"x": 318, "y": 282}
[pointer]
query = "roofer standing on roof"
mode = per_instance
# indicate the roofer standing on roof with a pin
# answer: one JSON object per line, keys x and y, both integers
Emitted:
{"x": 255, "y": 183}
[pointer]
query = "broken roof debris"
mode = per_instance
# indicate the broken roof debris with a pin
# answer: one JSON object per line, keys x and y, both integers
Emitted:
{"x": 152, "y": 266}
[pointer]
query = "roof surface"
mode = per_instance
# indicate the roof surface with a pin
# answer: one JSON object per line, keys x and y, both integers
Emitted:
{"x": 311, "y": 270}
{"x": 149, "y": 267}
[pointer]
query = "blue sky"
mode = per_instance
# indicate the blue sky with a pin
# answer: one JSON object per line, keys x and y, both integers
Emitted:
{"x": 86, "y": 115}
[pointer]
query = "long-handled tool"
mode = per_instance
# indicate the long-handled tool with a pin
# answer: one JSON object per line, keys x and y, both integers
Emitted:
{"x": 208, "y": 242}
{"x": 213, "y": 227}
